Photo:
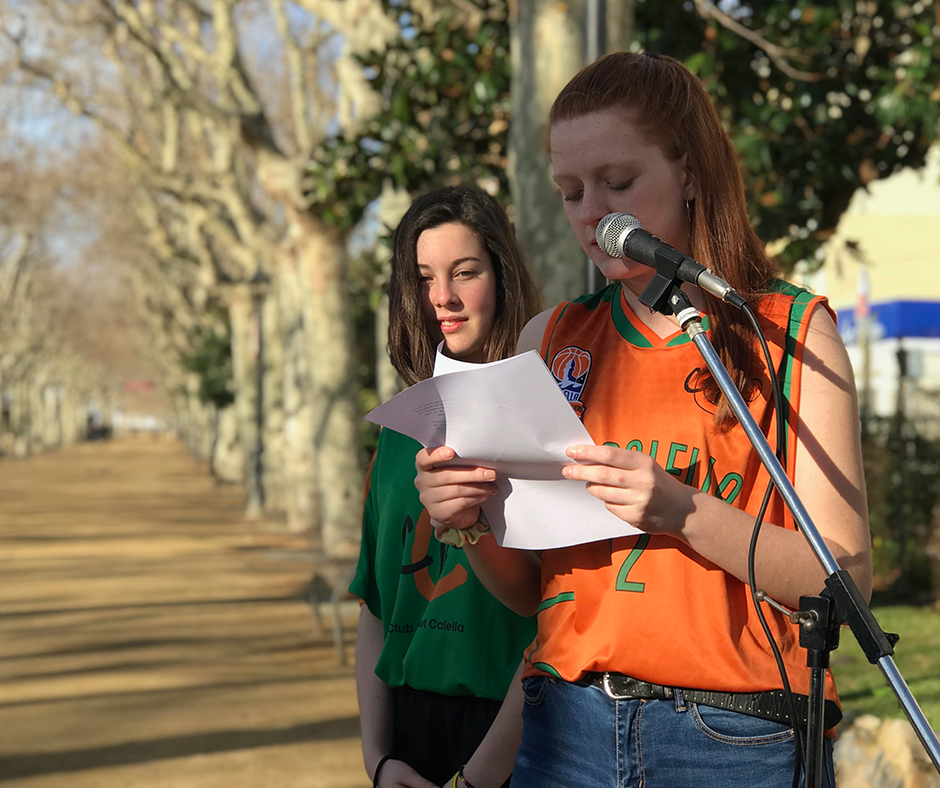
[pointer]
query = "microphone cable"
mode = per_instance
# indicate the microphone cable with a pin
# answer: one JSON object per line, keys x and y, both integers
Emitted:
{"x": 619, "y": 227}
{"x": 781, "y": 453}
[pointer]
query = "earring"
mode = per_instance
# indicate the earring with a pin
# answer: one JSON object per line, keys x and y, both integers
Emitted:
{"x": 690, "y": 208}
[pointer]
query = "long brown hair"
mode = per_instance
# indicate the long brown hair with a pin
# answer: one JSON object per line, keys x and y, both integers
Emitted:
{"x": 410, "y": 345}
{"x": 673, "y": 108}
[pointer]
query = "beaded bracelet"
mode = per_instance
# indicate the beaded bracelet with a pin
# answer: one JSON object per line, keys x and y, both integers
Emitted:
{"x": 460, "y": 776}
{"x": 466, "y": 782}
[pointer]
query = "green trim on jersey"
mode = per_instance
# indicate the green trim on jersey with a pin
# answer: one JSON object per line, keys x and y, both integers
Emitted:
{"x": 437, "y": 618}
{"x": 625, "y": 326}
{"x": 546, "y": 668}
{"x": 560, "y": 316}
{"x": 801, "y": 302}
{"x": 608, "y": 294}
{"x": 783, "y": 287}
{"x": 632, "y": 334}
{"x": 683, "y": 338}
{"x": 591, "y": 301}
{"x": 567, "y": 596}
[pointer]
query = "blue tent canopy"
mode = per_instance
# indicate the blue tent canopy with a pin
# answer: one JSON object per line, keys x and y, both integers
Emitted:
{"x": 894, "y": 319}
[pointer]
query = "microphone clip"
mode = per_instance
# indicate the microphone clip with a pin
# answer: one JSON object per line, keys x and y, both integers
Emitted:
{"x": 657, "y": 293}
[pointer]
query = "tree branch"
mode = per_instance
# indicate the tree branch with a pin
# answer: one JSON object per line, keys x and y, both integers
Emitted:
{"x": 777, "y": 54}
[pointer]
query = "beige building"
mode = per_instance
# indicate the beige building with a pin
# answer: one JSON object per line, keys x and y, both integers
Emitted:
{"x": 885, "y": 259}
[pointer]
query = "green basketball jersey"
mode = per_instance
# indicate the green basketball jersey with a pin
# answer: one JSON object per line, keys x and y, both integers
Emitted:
{"x": 444, "y": 632}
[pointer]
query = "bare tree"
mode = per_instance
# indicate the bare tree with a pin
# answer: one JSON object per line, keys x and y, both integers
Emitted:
{"x": 62, "y": 325}
{"x": 217, "y": 138}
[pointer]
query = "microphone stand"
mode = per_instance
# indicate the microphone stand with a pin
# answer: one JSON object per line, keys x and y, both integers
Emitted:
{"x": 841, "y": 601}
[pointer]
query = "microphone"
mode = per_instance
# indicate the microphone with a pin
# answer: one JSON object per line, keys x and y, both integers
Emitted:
{"x": 622, "y": 235}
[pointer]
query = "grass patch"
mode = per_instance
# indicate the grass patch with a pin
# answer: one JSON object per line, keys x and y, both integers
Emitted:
{"x": 862, "y": 686}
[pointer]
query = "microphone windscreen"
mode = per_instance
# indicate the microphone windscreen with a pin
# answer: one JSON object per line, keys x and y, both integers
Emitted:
{"x": 613, "y": 229}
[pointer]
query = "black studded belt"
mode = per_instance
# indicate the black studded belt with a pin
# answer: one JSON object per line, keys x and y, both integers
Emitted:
{"x": 768, "y": 705}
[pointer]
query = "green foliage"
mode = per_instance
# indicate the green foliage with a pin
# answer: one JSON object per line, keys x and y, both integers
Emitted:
{"x": 851, "y": 95}
{"x": 212, "y": 361}
{"x": 444, "y": 118}
{"x": 863, "y": 688}
{"x": 863, "y": 99}
{"x": 902, "y": 473}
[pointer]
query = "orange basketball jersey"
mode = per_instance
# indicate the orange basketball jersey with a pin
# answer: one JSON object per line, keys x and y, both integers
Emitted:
{"x": 648, "y": 606}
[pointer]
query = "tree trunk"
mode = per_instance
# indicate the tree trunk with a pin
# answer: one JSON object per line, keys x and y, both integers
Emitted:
{"x": 20, "y": 417}
{"x": 73, "y": 415}
{"x": 546, "y": 52}
{"x": 195, "y": 426}
{"x": 184, "y": 421}
{"x": 302, "y": 496}
{"x": 274, "y": 470}
{"x": 335, "y": 390}
{"x": 106, "y": 401}
{"x": 37, "y": 418}
{"x": 51, "y": 436}
{"x": 243, "y": 322}
{"x": 621, "y": 18}
{"x": 6, "y": 434}
{"x": 387, "y": 381}
{"x": 228, "y": 456}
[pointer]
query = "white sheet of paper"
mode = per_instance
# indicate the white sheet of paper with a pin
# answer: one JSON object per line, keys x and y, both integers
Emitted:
{"x": 508, "y": 415}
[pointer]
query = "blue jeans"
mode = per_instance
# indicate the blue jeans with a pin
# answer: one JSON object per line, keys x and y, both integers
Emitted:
{"x": 578, "y": 737}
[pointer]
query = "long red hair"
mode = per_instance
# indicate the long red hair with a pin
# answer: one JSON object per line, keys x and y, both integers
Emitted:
{"x": 672, "y": 107}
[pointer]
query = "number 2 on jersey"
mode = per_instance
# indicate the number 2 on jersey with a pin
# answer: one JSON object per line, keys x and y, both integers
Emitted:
{"x": 628, "y": 585}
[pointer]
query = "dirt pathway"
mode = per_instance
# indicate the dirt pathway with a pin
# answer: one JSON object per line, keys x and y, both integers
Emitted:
{"x": 149, "y": 638}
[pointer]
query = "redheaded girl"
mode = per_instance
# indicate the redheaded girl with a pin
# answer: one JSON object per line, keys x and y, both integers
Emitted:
{"x": 650, "y": 667}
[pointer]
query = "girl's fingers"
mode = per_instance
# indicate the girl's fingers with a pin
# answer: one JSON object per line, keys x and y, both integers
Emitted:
{"x": 606, "y": 455}
{"x": 597, "y": 474}
{"x": 426, "y": 462}
{"x": 456, "y": 492}
{"x": 616, "y": 496}
{"x": 449, "y": 476}
{"x": 426, "y": 459}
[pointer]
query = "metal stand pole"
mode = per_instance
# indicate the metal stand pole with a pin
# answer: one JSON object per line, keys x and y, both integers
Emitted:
{"x": 849, "y": 604}
{"x": 819, "y": 635}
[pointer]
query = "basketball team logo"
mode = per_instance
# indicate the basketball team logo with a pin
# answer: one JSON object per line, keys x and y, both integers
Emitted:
{"x": 570, "y": 368}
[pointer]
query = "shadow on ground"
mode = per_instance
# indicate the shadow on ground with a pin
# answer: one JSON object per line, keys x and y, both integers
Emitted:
{"x": 175, "y": 747}
{"x": 150, "y": 637}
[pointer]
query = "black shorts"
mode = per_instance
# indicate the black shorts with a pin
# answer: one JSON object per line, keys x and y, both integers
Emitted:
{"x": 436, "y": 734}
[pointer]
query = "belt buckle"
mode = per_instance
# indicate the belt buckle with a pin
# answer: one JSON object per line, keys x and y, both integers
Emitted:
{"x": 609, "y": 690}
{"x": 654, "y": 691}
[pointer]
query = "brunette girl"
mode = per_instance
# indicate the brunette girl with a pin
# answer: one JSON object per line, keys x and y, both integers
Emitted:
{"x": 436, "y": 652}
